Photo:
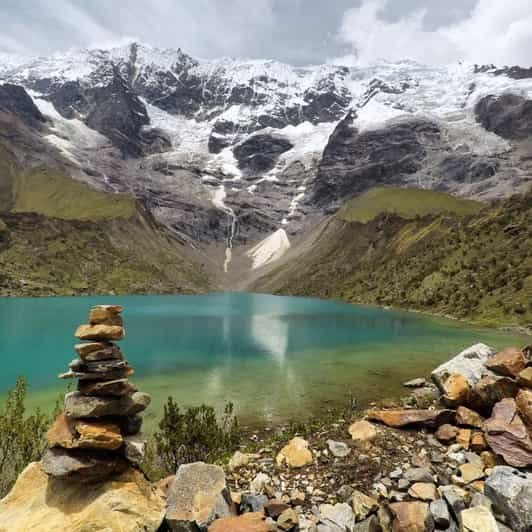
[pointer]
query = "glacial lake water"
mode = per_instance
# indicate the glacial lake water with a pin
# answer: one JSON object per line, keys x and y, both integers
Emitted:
{"x": 276, "y": 358}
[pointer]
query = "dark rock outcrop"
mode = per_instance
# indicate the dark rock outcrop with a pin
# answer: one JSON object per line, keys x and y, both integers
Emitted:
{"x": 260, "y": 152}
{"x": 14, "y": 99}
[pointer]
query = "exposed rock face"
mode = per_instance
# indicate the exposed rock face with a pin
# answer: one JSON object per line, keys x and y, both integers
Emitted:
{"x": 40, "y": 502}
{"x": 260, "y": 152}
{"x": 507, "y": 435}
{"x": 197, "y": 496}
{"x": 14, "y": 99}
{"x": 419, "y": 418}
{"x": 510, "y": 491}
{"x": 509, "y": 115}
{"x": 354, "y": 162}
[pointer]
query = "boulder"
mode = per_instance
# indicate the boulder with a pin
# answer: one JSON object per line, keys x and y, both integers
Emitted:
{"x": 362, "y": 433}
{"x": 469, "y": 363}
{"x": 424, "y": 491}
{"x": 363, "y": 506}
{"x": 509, "y": 362}
{"x": 507, "y": 435}
{"x": 478, "y": 519}
{"x": 100, "y": 332}
{"x": 489, "y": 390}
{"x": 84, "y": 466}
{"x": 510, "y": 491}
{"x": 91, "y": 352}
{"x": 39, "y": 502}
{"x": 456, "y": 390}
{"x": 469, "y": 418}
{"x": 295, "y": 454}
{"x": 114, "y": 388}
{"x": 250, "y": 522}
{"x": 338, "y": 517}
{"x": 418, "y": 418}
{"x": 338, "y": 449}
{"x": 411, "y": 517}
{"x": 524, "y": 405}
{"x": 525, "y": 377}
{"x": 197, "y": 496}
{"x": 78, "y": 405}
{"x": 446, "y": 433}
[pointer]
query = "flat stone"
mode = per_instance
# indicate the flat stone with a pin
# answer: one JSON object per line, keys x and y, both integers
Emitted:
{"x": 82, "y": 465}
{"x": 507, "y": 435}
{"x": 469, "y": 418}
{"x": 94, "y": 351}
{"x": 339, "y": 517}
{"x": 509, "y": 362}
{"x": 418, "y": 474}
{"x": 424, "y": 491}
{"x": 106, "y": 314}
{"x": 446, "y": 433}
{"x": 469, "y": 363}
{"x": 295, "y": 454}
{"x": 470, "y": 472}
{"x": 135, "y": 448}
{"x": 525, "y": 377}
{"x": 411, "y": 517}
{"x": 418, "y": 418}
{"x": 197, "y": 496}
{"x": 457, "y": 499}
{"x": 415, "y": 383}
{"x": 456, "y": 390}
{"x": 78, "y": 405}
{"x": 338, "y": 449}
{"x": 362, "y": 433}
{"x": 115, "y": 388}
{"x": 440, "y": 513}
{"x": 42, "y": 503}
{"x": 109, "y": 376}
{"x": 363, "y": 505}
{"x": 510, "y": 491}
{"x": 100, "y": 332}
{"x": 250, "y": 522}
{"x": 478, "y": 519}
{"x": 523, "y": 402}
{"x": 490, "y": 390}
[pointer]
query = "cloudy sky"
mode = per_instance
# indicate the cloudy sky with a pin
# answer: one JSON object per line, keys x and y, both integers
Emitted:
{"x": 294, "y": 31}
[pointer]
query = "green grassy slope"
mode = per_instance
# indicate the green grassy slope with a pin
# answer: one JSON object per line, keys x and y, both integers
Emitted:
{"x": 408, "y": 203}
{"x": 476, "y": 267}
{"x": 58, "y": 236}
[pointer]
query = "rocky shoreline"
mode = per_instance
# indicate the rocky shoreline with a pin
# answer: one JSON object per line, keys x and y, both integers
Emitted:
{"x": 453, "y": 454}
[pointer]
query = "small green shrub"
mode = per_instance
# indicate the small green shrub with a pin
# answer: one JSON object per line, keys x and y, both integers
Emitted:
{"x": 191, "y": 435}
{"x": 22, "y": 438}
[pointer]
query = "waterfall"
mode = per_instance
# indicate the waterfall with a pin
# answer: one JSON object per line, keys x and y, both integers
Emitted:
{"x": 218, "y": 202}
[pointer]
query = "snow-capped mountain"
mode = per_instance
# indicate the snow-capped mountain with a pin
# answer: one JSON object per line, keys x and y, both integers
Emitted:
{"x": 243, "y": 150}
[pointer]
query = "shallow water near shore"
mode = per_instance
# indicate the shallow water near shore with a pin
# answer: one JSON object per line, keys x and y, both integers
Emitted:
{"x": 276, "y": 358}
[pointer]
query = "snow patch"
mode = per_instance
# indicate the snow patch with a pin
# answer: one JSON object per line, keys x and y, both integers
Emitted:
{"x": 270, "y": 249}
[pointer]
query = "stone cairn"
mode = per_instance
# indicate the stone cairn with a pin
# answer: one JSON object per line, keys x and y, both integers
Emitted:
{"x": 98, "y": 434}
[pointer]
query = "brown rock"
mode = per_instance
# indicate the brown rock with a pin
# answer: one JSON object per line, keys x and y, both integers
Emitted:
{"x": 362, "y": 433}
{"x": 478, "y": 519}
{"x": 78, "y": 405}
{"x": 470, "y": 472}
{"x": 524, "y": 405}
{"x": 95, "y": 351}
{"x": 456, "y": 390}
{"x": 39, "y": 502}
{"x": 405, "y": 417}
{"x": 489, "y": 459}
{"x": 100, "y": 332}
{"x": 251, "y": 522}
{"x": 490, "y": 390}
{"x": 507, "y": 435}
{"x": 105, "y": 314}
{"x": 478, "y": 442}
{"x": 446, "y": 433}
{"x": 463, "y": 438}
{"x": 115, "y": 388}
{"x": 411, "y": 517}
{"x": 425, "y": 491}
{"x": 295, "y": 454}
{"x": 288, "y": 520}
{"x": 525, "y": 377}
{"x": 164, "y": 484}
{"x": 509, "y": 362}
{"x": 468, "y": 417}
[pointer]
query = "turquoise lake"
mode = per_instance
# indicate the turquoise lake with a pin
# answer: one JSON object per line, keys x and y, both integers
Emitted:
{"x": 276, "y": 358}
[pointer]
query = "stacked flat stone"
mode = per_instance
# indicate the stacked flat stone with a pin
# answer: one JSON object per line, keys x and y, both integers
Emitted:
{"x": 98, "y": 434}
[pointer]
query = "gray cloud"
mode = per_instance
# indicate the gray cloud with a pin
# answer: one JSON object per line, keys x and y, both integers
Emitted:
{"x": 294, "y": 31}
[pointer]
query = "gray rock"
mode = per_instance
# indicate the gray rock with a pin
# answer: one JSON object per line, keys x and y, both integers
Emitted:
{"x": 396, "y": 473}
{"x": 78, "y": 405}
{"x": 368, "y": 525}
{"x": 416, "y": 383}
{"x": 252, "y": 502}
{"x": 130, "y": 425}
{"x": 338, "y": 448}
{"x": 197, "y": 496}
{"x": 403, "y": 484}
{"x": 135, "y": 448}
{"x": 338, "y": 517}
{"x": 469, "y": 363}
{"x": 510, "y": 491}
{"x": 440, "y": 513}
{"x": 418, "y": 474}
{"x": 456, "y": 498}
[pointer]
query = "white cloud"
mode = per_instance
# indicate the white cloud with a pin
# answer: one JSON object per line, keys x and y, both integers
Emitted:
{"x": 493, "y": 32}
